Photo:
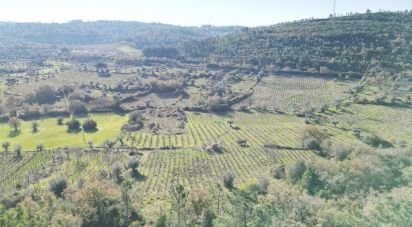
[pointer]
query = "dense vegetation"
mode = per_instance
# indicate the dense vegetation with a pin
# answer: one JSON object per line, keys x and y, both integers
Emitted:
{"x": 79, "y": 32}
{"x": 345, "y": 46}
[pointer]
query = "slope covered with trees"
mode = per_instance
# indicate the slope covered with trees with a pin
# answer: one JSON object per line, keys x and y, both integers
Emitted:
{"x": 79, "y": 32}
{"x": 350, "y": 45}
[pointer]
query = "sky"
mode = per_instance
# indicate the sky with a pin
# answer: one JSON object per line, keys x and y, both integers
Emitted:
{"x": 187, "y": 12}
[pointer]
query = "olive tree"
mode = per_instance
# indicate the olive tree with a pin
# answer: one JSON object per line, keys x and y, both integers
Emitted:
{"x": 6, "y": 146}
{"x": 15, "y": 123}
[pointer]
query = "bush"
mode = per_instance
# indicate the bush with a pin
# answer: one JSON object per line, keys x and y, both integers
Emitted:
{"x": 60, "y": 121}
{"x": 278, "y": 172}
{"x": 375, "y": 141}
{"x": 263, "y": 185}
{"x": 77, "y": 107}
{"x": 310, "y": 133}
{"x": 157, "y": 85}
{"x": 73, "y": 125}
{"x": 243, "y": 108}
{"x": 356, "y": 133}
{"x": 34, "y": 127}
{"x": 311, "y": 143}
{"x": 117, "y": 171}
{"x": 89, "y": 125}
{"x": 135, "y": 117}
{"x": 217, "y": 104}
{"x": 161, "y": 221}
{"x": 17, "y": 151}
{"x": 57, "y": 186}
{"x": 208, "y": 218}
{"x": 296, "y": 170}
{"x": 228, "y": 180}
{"x": 15, "y": 123}
{"x": 402, "y": 143}
{"x": 5, "y": 146}
{"x": 102, "y": 174}
{"x": 341, "y": 151}
{"x": 45, "y": 94}
{"x": 133, "y": 163}
{"x": 40, "y": 147}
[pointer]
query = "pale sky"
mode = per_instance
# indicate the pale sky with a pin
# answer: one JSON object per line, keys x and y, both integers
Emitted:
{"x": 187, "y": 12}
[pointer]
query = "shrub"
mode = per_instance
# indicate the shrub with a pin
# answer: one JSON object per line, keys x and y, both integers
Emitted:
{"x": 73, "y": 125}
{"x": 32, "y": 111}
{"x": 157, "y": 85}
{"x": 340, "y": 151}
{"x": 132, "y": 127}
{"x": 34, "y": 127}
{"x": 133, "y": 163}
{"x": 323, "y": 108}
{"x": 17, "y": 151}
{"x": 45, "y": 94}
{"x": 161, "y": 221}
{"x": 228, "y": 180}
{"x": 375, "y": 141}
{"x": 89, "y": 125}
{"x": 102, "y": 174}
{"x": 77, "y": 107}
{"x": 15, "y": 123}
{"x": 263, "y": 185}
{"x": 80, "y": 95}
{"x": 311, "y": 143}
{"x": 117, "y": 171}
{"x": 312, "y": 137}
{"x": 278, "y": 172}
{"x": 135, "y": 117}
{"x": 40, "y": 147}
{"x": 243, "y": 108}
{"x": 57, "y": 186}
{"x": 208, "y": 218}
{"x": 242, "y": 142}
{"x": 60, "y": 121}
{"x": 5, "y": 146}
{"x": 109, "y": 143}
{"x": 402, "y": 143}
{"x": 356, "y": 133}
{"x": 296, "y": 170}
{"x": 217, "y": 104}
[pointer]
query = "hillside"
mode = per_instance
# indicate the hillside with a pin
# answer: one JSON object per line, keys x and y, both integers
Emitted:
{"x": 79, "y": 32}
{"x": 131, "y": 124}
{"x": 346, "y": 46}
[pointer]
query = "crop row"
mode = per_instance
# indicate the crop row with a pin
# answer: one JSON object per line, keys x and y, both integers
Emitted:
{"x": 285, "y": 93}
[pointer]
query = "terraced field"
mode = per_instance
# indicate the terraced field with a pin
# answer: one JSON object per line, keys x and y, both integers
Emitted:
{"x": 287, "y": 92}
{"x": 258, "y": 128}
{"x": 191, "y": 165}
{"x": 165, "y": 167}
{"x": 390, "y": 123}
{"x": 171, "y": 159}
{"x": 15, "y": 171}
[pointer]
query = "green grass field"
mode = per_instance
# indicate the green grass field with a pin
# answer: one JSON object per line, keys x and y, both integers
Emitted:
{"x": 52, "y": 135}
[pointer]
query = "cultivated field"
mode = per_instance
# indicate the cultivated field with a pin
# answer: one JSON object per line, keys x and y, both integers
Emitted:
{"x": 287, "y": 93}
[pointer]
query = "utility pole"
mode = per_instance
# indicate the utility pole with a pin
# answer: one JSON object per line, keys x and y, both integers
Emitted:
{"x": 334, "y": 8}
